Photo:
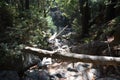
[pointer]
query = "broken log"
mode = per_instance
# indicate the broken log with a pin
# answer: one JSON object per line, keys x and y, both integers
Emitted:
{"x": 74, "y": 57}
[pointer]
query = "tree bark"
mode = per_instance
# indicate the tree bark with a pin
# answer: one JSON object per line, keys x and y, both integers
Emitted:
{"x": 110, "y": 10}
{"x": 85, "y": 17}
{"x": 26, "y": 4}
{"x": 73, "y": 57}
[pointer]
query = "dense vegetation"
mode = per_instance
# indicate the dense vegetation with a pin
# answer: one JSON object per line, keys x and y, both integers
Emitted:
{"x": 30, "y": 23}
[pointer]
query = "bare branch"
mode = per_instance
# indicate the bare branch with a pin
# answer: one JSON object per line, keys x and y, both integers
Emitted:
{"x": 55, "y": 35}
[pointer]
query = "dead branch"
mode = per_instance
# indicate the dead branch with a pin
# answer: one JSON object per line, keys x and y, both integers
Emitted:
{"x": 73, "y": 57}
{"x": 55, "y": 35}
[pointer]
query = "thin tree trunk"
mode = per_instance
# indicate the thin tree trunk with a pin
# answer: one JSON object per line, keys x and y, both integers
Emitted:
{"x": 84, "y": 8}
{"x": 110, "y": 10}
{"x": 26, "y": 4}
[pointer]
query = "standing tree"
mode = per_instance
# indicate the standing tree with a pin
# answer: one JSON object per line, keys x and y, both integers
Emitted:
{"x": 110, "y": 7}
{"x": 26, "y": 4}
{"x": 85, "y": 17}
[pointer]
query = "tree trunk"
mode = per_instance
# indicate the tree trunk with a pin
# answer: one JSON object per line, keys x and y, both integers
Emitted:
{"x": 110, "y": 10}
{"x": 26, "y": 4}
{"x": 117, "y": 8}
{"x": 84, "y": 8}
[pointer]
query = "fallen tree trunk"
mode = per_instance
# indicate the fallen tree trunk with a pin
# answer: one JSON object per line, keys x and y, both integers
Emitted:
{"x": 73, "y": 57}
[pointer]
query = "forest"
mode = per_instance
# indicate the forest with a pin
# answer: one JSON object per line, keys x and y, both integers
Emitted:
{"x": 59, "y": 40}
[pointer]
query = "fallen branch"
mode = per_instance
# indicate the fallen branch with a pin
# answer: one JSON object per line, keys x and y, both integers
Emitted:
{"x": 73, "y": 57}
{"x": 55, "y": 35}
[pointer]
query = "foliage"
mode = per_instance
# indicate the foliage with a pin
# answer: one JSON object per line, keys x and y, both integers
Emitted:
{"x": 71, "y": 9}
{"x": 20, "y": 27}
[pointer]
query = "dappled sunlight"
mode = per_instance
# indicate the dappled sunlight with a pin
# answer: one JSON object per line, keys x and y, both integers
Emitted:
{"x": 59, "y": 40}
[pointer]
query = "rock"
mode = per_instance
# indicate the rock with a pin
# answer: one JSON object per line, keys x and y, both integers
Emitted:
{"x": 37, "y": 75}
{"x": 9, "y": 75}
